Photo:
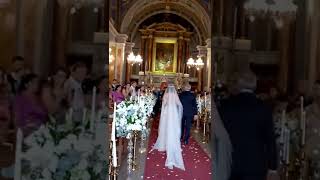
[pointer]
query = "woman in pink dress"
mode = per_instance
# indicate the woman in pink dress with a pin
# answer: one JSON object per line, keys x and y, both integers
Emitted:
{"x": 117, "y": 95}
{"x": 29, "y": 111}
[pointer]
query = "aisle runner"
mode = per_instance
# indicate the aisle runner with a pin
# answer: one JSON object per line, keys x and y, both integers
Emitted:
{"x": 196, "y": 161}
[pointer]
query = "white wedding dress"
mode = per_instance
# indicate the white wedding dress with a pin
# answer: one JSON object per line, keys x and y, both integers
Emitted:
{"x": 170, "y": 129}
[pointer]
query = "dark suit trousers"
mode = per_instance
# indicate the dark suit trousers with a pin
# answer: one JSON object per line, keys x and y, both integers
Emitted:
{"x": 247, "y": 177}
{"x": 186, "y": 126}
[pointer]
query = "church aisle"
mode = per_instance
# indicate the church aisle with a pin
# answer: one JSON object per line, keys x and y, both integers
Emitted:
{"x": 197, "y": 162}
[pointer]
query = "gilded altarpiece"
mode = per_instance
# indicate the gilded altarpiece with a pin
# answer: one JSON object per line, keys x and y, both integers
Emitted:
{"x": 165, "y": 48}
{"x": 164, "y": 55}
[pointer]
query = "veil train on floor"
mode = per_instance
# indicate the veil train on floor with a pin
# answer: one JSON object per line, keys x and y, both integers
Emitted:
{"x": 170, "y": 129}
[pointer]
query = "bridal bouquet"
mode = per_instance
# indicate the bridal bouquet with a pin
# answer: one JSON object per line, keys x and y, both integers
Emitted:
{"x": 55, "y": 152}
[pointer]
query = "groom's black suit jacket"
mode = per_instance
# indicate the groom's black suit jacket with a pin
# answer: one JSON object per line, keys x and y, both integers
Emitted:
{"x": 250, "y": 126}
{"x": 189, "y": 103}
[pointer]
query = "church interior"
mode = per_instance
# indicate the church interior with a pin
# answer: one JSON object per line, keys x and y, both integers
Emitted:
{"x": 56, "y": 73}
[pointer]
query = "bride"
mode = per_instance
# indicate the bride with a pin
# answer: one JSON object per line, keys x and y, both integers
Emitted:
{"x": 170, "y": 129}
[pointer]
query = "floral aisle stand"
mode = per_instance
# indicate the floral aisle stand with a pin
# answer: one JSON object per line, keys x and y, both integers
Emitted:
{"x": 63, "y": 151}
{"x": 204, "y": 113}
{"x": 131, "y": 118}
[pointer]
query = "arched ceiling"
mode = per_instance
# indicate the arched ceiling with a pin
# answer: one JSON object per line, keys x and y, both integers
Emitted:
{"x": 191, "y": 11}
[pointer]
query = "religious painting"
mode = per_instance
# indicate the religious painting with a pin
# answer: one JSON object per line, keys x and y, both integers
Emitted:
{"x": 165, "y": 55}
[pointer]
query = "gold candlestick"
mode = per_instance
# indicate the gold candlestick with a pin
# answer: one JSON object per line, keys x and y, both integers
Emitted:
{"x": 134, "y": 160}
{"x": 112, "y": 171}
{"x": 130, "y": 148}
{"x": 198, "y": 124}
{"x": 204, "y": 135}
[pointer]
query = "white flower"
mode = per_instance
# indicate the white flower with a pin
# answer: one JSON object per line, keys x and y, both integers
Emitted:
{"x": 46, "y": 174}
{"x": 63, "y": 146}
{"x": 37, "y": 157}
{"x": 97, "y": 168}
{"x": 83, "y": 164}
{"x": 84, "y": 144}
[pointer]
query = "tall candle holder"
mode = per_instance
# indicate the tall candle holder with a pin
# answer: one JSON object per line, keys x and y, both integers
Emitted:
{"x": 130, "y": 148}
{"x": 142, "y": 147}
{"x": 198, "y": 123}
{"x": 205, "y": 121}
{"x": 113, "y": 175}
{"x": 134, "y": 159}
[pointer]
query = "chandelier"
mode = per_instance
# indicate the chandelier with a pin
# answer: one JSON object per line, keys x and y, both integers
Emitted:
{"x": 78, "y": 4}
{"x": 132, "y": 59}
{"x": 197, "y": 64}
{"x": 273, "y": 8}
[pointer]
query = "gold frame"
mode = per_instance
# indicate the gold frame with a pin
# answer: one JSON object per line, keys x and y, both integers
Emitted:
{"x": 175, "y": 51}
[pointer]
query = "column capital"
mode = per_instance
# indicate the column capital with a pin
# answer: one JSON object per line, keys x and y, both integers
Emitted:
{"x": 129, "y": 46}
{"x": 121, "y": 38}
{"x": 208, "y": 43}
{"x": 202, "y": 50}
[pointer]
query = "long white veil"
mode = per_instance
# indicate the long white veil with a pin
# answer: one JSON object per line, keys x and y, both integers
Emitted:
{"x": 170, "y": 129}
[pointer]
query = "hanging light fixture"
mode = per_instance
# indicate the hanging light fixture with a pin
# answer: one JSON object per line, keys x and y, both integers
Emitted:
{"x": 131, "y": 59}
{"x": 138, "y": 59}
{"x": 199, "y": 63}
{"x": 190, "y": 62}
{"x": 274, "y": 8}
{"x": 77, "y": 4}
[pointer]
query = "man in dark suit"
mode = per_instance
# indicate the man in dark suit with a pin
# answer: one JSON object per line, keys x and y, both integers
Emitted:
{"x": 189, "y": 103}
{"x": 251, "y": 130}
{"x": 16, "y": 74}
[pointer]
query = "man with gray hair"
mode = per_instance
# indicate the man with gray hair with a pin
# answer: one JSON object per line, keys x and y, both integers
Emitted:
{"x": 249, "y": 124}
{"x": 189, "y": 103}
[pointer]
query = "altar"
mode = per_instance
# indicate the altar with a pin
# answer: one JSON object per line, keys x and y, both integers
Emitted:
{"x": 155, "y": 79}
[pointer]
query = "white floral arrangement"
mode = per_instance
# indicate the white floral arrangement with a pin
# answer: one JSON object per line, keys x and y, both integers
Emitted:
{"x": 132, "y": 115}
{"x": 55, "y": 152}
{"x": 200, "y": 105}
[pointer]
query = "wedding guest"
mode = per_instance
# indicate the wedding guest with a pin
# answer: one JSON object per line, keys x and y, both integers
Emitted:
{"x": 127, "y": 90}
{"x": 28, "y": 109}
{"x": 47, "y": 97}
{"x": 73, "y": 89}
{"x": 124, "y": 91}
{"x": 14, "y": 78}
{"x": 3, "y": 76}
{"x": 312, "y": 142}
{"x": 249, "y": 123}
{"x": 117, "y": 95}
{"x": 58, "y": 81}
{"x": 5, "y": 115}
{"x": 133, "y": 87}
{"x": 102, "y": 91}
{"x": 114, "y": 84}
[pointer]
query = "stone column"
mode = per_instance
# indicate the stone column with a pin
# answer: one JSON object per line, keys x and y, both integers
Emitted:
{"x": 202, "y": 73}
{"x": 313, "y": 41}
{"x": 187, "y": 55}
{"x": 142, "y": 53}
{"x": 128, "y": 69}
{"x": 20, "y": 16}
{"x": 180, "y": 42}
{"x": 39, "y": 46}
{"x": 120, "y": 58}
{"x": 209, "y": 69}
{"x": 150, "y": 46}
{"x": 301, "y": 45}
{"x": 60, "y": 33}
{"x": 284, "y": 41}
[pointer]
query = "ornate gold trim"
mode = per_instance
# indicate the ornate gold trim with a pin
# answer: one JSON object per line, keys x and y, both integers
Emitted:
{"x": 175, "y": 57}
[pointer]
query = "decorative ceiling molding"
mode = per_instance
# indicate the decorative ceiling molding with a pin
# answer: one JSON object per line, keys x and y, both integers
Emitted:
{"x": 152, "y": 13}
{"x": 192, "y": 11}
